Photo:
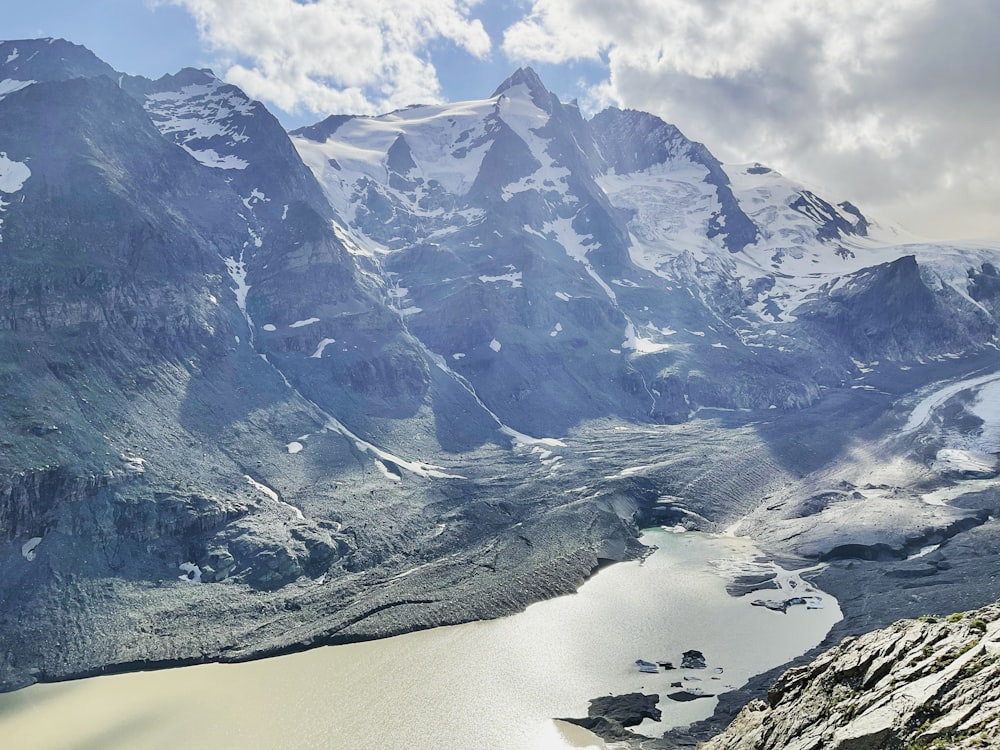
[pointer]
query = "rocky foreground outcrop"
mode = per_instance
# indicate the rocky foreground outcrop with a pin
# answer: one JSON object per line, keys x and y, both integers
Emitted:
{"x": 932, "y": 682}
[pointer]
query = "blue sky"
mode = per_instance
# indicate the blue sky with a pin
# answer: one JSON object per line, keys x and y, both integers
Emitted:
{"x": 891, "y": 104}
{"x": 153, "y": 39}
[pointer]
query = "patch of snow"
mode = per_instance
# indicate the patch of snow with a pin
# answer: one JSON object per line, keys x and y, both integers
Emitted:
{"x": 514, "y": 279}
{"x": 495, "y": 345}
{"x": 136, "y": 464}
{"x": 13, "y": 55}
{"x": 557, "y": 330}
{"x": 294, "y": 447}
{"x": 695, "y": 333}
{"x": 213, "y": 159}
{"x": 575, "y": 245}
{"x": 458, "y": 355}
{"x": 631, "y": 471}
{"x": 924, "y": 551}
{"x": 284, "y": 212}
{"x": 200, "y": 114}
{"x": 563, "y": 296}
{"x": 10, "y": 85}
{"x": 420, "y": 468}
{"x": 269, "y": 327}
{"x": 13, "y": 174}
{"x": 321, "y": 347}
{"x": 264, "y": 489}
{"x": 641, "y": 344}
{"x": 191, "y": 574}
{"x": 407, "y": 311}
{"x": 518, "y": 439}
{"x": 238, "y": 273}
{"x": 28, "y": 549}
{"x": 256, "y": 196}
{"x": 386, "y": 473}
{"x": 306, "y": 322}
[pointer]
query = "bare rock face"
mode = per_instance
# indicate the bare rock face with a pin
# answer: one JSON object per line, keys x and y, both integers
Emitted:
{"x": 918, "y": 683}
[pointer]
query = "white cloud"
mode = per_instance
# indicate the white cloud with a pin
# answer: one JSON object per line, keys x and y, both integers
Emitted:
{"x": 356, "y": 56}
{"x": 890, "y": 103}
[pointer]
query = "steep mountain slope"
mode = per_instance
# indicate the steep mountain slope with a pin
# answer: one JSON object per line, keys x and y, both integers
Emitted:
{"x": 263, "y": 391}
{"x": 615, "y": 267}
{"x": 932, "y": 682}
{"x": 209, "y": 403}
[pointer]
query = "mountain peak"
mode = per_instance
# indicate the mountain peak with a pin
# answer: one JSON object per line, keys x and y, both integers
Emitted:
{"x": 528, "y": 78}
{"x": 188, "y": 77}
{"x": 50, "y": 59}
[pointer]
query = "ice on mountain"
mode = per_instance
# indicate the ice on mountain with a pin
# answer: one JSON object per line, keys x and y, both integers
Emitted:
{"x": 238, "y": 273}
{"x": 201, "y": 114}
{"x": 29, "y": 548}
{"x": 514, "y": 279}
{"x": 987, "y": 407}
{"x": 12, "y": 56}
{"x": 191, "y": 572}
{"x": 10, "y": 85}
{"x": 321, "y": 347}
{"x": 269, "y": 327}
{"x": 13, "y": 174}
{"x": 302, "y": 323}
{"x": 272, "y": 495}
{"x": 561, "y": 230}
{"x": 557, "y": 330}
{"x": 211, "y": 158}
{"x": 563, "y": 296}
{"x": 445, "y": 147}
{"x": 495, "y": 345}
{"x": 256, "y": 196}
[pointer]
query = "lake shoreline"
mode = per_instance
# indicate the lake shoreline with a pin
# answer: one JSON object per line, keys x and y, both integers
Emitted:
{"x": 437, "y": 685}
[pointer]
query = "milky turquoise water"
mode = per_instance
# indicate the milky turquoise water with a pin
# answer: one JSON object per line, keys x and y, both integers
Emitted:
{"x": 495, "y": 684}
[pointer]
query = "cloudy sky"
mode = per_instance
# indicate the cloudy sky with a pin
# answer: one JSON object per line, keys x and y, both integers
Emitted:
{"x": 892, "y": 104}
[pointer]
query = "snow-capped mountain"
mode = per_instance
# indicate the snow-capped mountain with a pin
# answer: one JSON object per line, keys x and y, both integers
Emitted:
{"x": 387, "y": 372}
{"x": 570, "y": 269}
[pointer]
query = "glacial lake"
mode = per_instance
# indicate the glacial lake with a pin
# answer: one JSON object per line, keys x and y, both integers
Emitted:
{"x": 495, "y": 684}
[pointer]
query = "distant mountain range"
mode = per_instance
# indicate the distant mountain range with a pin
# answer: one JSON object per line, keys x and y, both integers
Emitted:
{"x": 261, "y": 390}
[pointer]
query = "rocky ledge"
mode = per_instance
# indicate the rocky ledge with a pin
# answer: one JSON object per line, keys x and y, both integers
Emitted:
{"x": 932, "y": 682}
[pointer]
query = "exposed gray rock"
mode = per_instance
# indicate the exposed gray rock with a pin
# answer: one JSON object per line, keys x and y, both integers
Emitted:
{"x": 929, "y": 682}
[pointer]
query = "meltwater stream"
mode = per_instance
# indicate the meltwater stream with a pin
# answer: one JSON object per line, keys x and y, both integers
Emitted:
{"x": 495, "y": 684}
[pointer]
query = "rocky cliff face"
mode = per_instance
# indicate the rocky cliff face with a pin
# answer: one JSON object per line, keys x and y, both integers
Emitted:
{"x": 933, "y": 682}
